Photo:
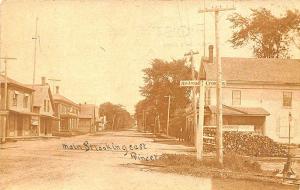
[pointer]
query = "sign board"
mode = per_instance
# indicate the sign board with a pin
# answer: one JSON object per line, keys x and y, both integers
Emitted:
{"x": 213, "y": 83}
{"x": 34, "y": 120}
{"x": 209, "y": 83}
{"x": 189, "y": 83}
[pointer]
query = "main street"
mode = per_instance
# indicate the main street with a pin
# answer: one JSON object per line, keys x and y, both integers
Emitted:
{"x": 45, "y": 164}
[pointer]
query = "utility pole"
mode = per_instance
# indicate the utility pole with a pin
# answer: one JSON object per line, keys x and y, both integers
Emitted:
{"x": 204, "y": 40}
{"x": 191, "y": 55}
{"x": 145, "y": 124}
{"x": 34, "y": 60}
{"x": 5, "y": 97}
{"x": 168, "y": 119}
{"x": 35, "y": 38}
{"x": 157, "y": 117}
{"x": 168, "y": 116}
{"x": 219, "y": 132}
{"x": 113, "y": 123}
{"x": 143, "y": 120}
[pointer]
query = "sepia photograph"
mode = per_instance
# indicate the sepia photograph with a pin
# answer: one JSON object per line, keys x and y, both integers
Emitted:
{"x": 150, "y": 94}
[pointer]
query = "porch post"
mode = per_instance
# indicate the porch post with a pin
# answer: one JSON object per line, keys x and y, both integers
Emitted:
{"x": 39, "y": 126}
{"x": 59, "y": 123}
{"x": 3, "y": 139}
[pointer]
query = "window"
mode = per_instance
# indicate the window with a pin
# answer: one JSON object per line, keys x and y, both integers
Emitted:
{"x": 63, "y": 109}
{"x": 207, "y": 96}
{"x": 236, "y": 97}
{"x": 48, "y": 106}
{"x": 25, "y": 101}
{"x": 15, "y": 99}
{"x": 287, "y": 99}
{"x": 45, "y": 105}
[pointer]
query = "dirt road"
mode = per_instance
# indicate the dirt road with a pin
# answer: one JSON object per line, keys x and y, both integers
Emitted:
{"x": 62, "y": 164}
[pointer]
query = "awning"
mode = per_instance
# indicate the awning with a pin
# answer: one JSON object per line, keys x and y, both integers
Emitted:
{"x": 240, "y": 111}
{"x": 23, "y": 112}
{"x": 49, "y": 116}
{"x": 3, "y": 112}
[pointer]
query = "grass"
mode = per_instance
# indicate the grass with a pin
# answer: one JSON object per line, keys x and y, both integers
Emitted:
{"x": 234, "y": 167}
{"x": 232, "y": 162}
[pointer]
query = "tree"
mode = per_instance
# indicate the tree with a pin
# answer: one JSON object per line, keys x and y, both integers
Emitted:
{"x": 296, "y": 38}
{"x": 161, "y": 79}
{"x": 117, "y": 117}
{"x": 269, "y": 36}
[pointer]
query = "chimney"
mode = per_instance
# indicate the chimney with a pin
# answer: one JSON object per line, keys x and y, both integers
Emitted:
{"x": 210, "y": 53}
{"x": 43, "y": 81}
{"x": 57, "y": 89}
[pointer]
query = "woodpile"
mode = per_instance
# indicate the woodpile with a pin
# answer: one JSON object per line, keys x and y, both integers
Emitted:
{"x": 247, "y": 144}
{"x": 252, "y": 145}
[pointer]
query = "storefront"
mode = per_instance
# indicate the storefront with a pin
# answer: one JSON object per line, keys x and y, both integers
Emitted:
{"x": 46, "y": 123}
{"x": 20, "y": 125}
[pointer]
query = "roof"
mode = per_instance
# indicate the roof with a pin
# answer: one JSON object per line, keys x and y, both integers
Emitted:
{"x": 58, "y": 97}
{"x": 269, "y": 70}
{"x": 240, "y": 111}
{"x": 14, "y": 82}
{"x": 87, "y": 111}
{"x": 40, "y": 92}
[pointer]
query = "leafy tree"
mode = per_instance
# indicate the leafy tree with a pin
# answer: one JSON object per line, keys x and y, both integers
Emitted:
{"x": 296, "y": 38}
{"x": 269, "y": 36}
{"x": 162, "y": 79}
{"x": 117, "y": 117}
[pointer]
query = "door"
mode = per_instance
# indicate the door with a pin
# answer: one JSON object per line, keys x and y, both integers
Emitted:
{"x": 42, "y": 126}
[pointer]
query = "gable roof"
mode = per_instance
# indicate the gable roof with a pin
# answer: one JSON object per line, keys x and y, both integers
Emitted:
{"x": 254, "y": 70}
{"x": 58, "y": 97}
{"x": 14, "y": 82}
{"x": 41, "y": 91}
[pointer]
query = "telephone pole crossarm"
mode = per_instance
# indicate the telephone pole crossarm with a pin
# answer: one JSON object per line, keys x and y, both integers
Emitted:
{"x": 191, "y": 53}
{"x": 219, "y": 9}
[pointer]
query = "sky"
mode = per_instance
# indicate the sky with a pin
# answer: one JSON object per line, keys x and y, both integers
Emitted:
{"x": 98, "y": 49}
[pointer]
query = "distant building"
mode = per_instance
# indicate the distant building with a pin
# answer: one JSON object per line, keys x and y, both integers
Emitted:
{"x": 259, "y": 96}
{"x": 17, "y": 119}
{"x": 43, "y": 105}
{"x": 101, "y": 123}
{"x": 88, "y": 118}
{"x": 67, "y": 113}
